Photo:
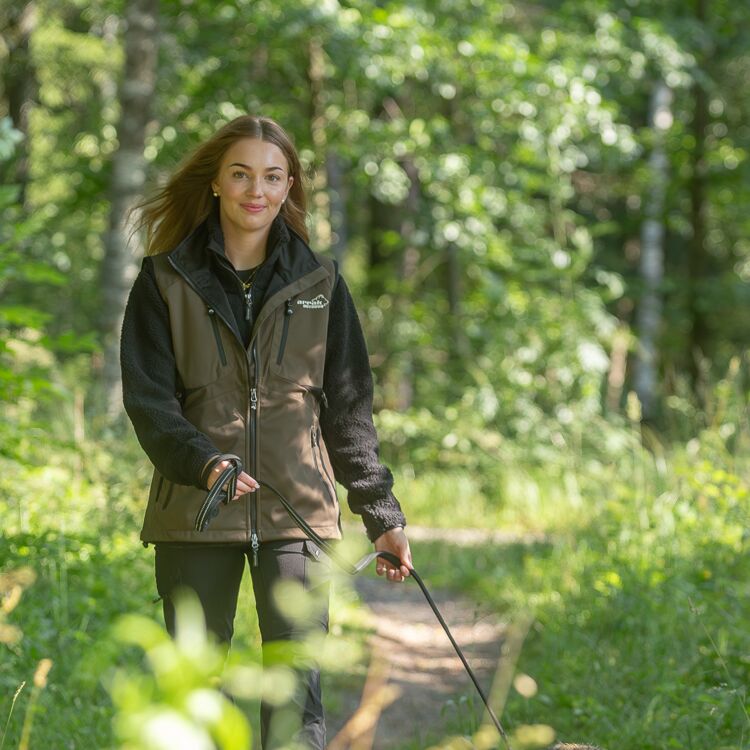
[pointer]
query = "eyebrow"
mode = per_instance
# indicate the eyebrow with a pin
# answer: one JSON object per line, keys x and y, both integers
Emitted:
{"x": 245, "y": 166}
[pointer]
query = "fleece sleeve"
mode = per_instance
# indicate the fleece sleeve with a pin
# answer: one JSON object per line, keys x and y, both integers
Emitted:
{"x": 346, "y": 421}
{"x": 176, "y": 448}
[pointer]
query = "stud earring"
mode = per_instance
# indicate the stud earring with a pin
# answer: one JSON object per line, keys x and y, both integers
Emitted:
{"x": 216, "y": 195}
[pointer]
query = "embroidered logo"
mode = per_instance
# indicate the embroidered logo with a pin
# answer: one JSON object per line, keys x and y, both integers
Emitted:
{"x": 313, "y": 304}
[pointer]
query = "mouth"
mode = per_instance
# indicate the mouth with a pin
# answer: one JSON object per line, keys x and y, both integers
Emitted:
{"x": 252, "y": 208}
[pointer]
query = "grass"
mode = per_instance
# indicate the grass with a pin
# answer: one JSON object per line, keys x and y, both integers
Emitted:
{"x": 75, "y": 525}
{"x": 639, "y": 638}
{"x": 83, "y": 584}
{"x": 638, "y": 596}
{"x": 519, "y": 500}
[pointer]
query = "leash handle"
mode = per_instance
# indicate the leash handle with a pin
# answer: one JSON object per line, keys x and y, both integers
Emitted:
{"x": 221, "y": 492}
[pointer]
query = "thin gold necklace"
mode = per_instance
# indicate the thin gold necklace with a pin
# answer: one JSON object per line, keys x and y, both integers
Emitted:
{"x": 247, "y": 284}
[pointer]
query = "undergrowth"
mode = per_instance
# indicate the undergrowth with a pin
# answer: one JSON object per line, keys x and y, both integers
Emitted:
{"x": 639, "y": 637}
{"x": 636, "y": 588}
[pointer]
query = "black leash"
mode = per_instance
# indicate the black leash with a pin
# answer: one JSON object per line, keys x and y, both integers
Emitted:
{"x": 223, "y": 490}
{"x": 220, "y": 493}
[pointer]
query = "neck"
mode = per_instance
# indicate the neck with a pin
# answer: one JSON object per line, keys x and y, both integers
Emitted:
{"x": 245, "y": 249}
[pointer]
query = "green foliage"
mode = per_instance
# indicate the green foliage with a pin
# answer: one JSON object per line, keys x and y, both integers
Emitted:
{"x": 173, "y": 702}
{"x": 22, "y": 359}
{"x": 633, "y": 576}
{"x": 81, "y": 586}
{"x": 69, "y": 550}
{"x": 638, "y": 635}
{"x": 492, "y": 162}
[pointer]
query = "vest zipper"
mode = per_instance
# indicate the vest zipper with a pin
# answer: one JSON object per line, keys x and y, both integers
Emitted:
{"x": 217, "y": 336}
{"x": 288, "y": 312}
{"x": 331, "y": 483}
{"x": 320, "y": 466}
{"x": 248, "y": 303}
{"x": 253, "y": 441}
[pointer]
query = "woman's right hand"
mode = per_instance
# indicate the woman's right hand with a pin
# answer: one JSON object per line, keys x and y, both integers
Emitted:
{"x": 245, "y": 483}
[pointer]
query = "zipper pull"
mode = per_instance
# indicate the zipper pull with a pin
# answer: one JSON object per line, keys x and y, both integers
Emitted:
{"x": 253, "y": 399}
{"x": 248, "y": 303}
{"x": 314, "y": 436}
{"x": 255, "y": 547}
{"x": 289, "y": 309}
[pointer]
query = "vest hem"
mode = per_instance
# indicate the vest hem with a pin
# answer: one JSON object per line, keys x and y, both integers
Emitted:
{"x": 238, "y": 537}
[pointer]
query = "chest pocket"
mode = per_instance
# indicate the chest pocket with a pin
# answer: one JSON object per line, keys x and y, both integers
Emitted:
{"x": 299, "y": 339}
{"x": 201, "y": 342}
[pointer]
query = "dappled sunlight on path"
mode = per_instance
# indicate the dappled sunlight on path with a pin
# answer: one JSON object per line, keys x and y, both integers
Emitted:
{"x": 421, "y": 664}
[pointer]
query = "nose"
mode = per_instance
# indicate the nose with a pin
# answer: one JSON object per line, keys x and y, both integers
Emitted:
{"x": 254, "y": 186}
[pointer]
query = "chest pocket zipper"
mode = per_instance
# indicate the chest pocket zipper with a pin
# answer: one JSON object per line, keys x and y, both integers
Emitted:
{"x": 319, "y": 464}
{"x": 217, "y": 335}
{"x": 288, "y": 312}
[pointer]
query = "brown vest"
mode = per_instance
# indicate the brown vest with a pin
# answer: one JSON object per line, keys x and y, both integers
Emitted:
{"x": 261, "y": 403}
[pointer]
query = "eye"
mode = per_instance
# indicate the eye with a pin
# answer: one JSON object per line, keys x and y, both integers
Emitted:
{"x": 274, "y": 177}
{"x": 238, "y": 174}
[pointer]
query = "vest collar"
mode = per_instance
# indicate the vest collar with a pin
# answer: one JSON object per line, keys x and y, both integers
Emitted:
{"x": 295, "y": 266}
{"x": 279, "y": 235}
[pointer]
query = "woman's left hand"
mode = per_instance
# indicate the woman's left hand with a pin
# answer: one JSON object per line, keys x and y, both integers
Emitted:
{"x": 395, "y": 541}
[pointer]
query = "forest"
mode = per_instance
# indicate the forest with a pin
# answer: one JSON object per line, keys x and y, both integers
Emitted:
{"x": 540, "y": 207}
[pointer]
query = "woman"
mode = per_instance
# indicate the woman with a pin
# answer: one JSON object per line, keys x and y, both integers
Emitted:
{"x": 239, "y": 339}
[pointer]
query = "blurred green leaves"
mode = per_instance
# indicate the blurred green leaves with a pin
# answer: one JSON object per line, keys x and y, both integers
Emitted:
{"x": 178, "y": 701}
{"x": 492, "y": 168}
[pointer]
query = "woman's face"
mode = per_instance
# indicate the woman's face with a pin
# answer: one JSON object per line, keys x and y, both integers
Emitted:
{"x": 252, "y": 183}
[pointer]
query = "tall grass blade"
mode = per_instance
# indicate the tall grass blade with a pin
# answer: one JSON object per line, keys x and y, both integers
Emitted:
{"x": 40, "y": 682}
{"x": 10, "y": 713}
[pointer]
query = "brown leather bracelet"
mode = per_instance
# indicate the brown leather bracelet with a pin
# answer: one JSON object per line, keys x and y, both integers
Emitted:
{"x": 208, "y": 467}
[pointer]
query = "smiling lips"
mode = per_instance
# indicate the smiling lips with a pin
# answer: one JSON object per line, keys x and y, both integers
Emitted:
{"x": 252, "y": 208}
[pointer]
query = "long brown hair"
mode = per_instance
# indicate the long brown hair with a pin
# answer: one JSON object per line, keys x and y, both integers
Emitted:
{"x": 173, "y": 211}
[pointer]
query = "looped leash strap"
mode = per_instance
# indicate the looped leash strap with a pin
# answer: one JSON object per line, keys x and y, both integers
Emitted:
{"x": 221, "y": 492}
{"x": 210, "y": 509}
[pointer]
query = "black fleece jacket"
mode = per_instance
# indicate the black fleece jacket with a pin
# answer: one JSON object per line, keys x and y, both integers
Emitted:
{"x": 179, "y": 451}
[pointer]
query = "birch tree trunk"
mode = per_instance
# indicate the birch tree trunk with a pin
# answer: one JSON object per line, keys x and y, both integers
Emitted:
{"x": 698, "y": 262}
{"x": 409, "y": 267}
{"x": 19, "y": 82}
{"x": 128, "y": 177}
{"x": 329, "y": 229}
{"x": 649, "y": 317}
{"x": 454, "y": 289}
{"x": 337, "y": 193}
{"x": 320, "y": 235}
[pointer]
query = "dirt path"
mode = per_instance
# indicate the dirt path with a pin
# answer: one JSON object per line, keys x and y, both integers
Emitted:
{"x": 418, "y": 660}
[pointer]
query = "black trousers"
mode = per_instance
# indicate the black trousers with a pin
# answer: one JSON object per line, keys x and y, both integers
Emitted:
{"x": 214, "y": 573}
